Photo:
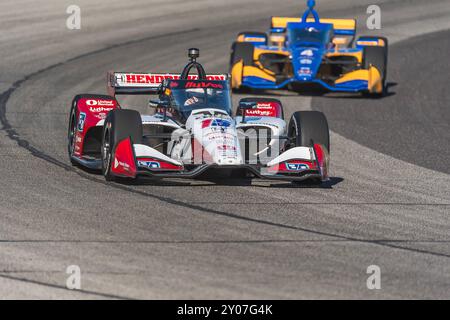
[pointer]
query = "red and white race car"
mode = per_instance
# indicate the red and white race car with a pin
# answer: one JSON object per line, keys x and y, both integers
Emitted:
{"x": 192, "y": 130}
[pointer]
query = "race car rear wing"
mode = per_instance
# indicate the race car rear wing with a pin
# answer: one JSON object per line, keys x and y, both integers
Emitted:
{"x": 146, "y": 83}
{"x": 340, "y": 26}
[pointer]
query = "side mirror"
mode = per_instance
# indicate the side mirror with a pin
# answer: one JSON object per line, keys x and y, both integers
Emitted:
{"x": 246, "y": 105}
{"x": 160, "y": 104}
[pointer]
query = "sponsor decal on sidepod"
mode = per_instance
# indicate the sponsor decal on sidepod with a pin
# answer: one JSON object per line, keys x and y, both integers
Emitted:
{"x": 91, "y": 102}
{"x": 118, "y": 163}
{"x": 81, "y": 121}
{"x": 149, "y": 164}
{"x": 296, "y": 166}
{"x": 99, "y": 109}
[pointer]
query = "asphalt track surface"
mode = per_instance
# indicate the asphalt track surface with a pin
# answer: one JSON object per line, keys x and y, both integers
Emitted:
{"x": 387, "y": 204}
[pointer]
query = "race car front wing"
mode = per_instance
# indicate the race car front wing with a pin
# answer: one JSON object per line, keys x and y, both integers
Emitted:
{"x": 357, "y": 81}
{"x": 296, "y": 164}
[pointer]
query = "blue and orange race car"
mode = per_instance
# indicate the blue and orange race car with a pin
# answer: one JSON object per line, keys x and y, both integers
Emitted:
{"x": 310, "y": 50}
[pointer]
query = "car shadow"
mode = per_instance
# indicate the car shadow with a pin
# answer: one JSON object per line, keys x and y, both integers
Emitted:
{"x": 230, "y": 182}
{"x": 359, "y": 96}
{"x": 307, "y": 184}
{"x": 266, "y": 93}
{"x": 315, "y": 91}
{"x": 211, "y": 180}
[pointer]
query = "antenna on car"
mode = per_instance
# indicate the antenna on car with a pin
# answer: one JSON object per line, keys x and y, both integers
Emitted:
{"x": 193, "y": 54}
{"x": 311, "y": 4}
{"x": 310, "y": 11}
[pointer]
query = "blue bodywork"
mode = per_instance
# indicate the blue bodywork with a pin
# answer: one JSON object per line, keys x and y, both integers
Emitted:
{"x": 307, "y": 43}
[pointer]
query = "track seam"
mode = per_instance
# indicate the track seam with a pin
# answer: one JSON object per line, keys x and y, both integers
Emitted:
{"x": 54, "y": 286}
{"x": 210, "y": 241}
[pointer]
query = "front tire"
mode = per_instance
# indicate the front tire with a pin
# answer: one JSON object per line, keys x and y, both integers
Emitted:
{"x": 72, "y": 130}
{"x": 377, "y": 57}
{"x": 119, "y": 125}
{"x": 307, "y": 128}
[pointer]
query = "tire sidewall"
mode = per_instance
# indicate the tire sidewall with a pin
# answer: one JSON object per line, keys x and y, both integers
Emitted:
{"x": 72, "y": 129}
{"x": 107, "y": 131}
{"x": 368, "y": 60}
{"x": 309, "y": 127}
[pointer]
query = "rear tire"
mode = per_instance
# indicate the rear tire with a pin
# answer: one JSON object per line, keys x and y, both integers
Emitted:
{"x": 377, "y": 57}
{"x": 119, "y": 125}
{"x": 242, "y": 51}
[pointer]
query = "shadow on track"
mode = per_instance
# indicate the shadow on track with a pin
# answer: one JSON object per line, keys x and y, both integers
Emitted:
{"x": 315, "y": 91}
{"x": 233, "y": 182}
{"x": 361, "y": 96}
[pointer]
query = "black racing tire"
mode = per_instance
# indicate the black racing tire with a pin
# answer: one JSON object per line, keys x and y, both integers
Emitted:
{"x": 378, "y": 57}
{"x": 242, "y": 51}
{"x": 119, "y": 124}
{"x": 72, "y": 132}
{"x": 308, "y": 127}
